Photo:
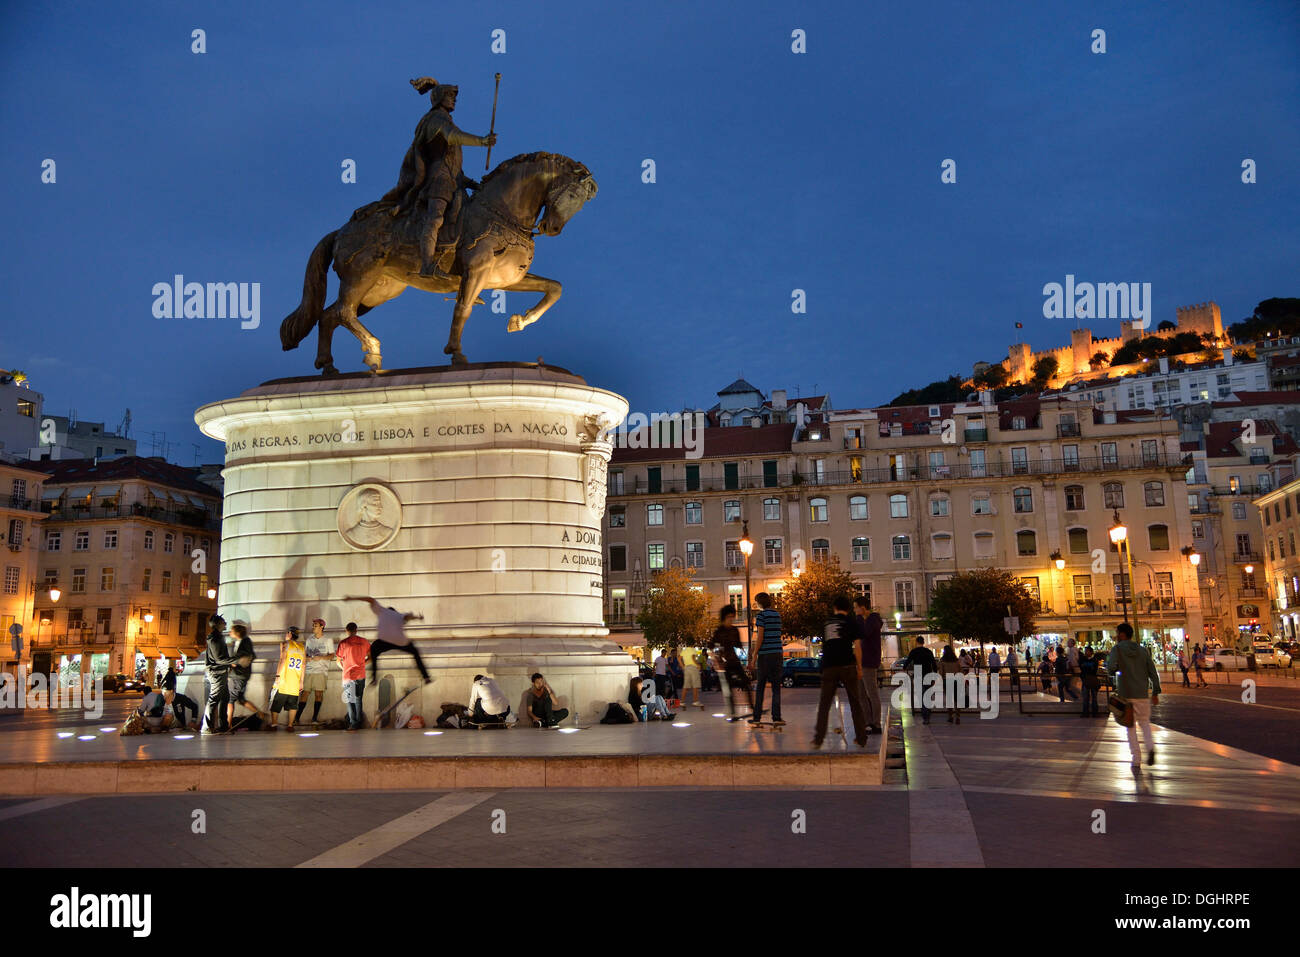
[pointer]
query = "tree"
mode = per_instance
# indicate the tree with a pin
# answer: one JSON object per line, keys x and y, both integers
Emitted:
{"x": 994, "y": 377}
{"x": 970, "y": 606}
{"x": 1165, "y": 326}
{"x": 809, "y": 600}
{"x": 942, "y": 390}
{"x": 1277, "y": 316}
{"x": 675, "y": 613}
{"x": 1044, "y": 370}
{"x": 1099, "y": 359}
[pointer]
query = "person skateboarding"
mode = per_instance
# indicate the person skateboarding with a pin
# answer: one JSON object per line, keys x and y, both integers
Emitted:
{"x": 390, "y": 634}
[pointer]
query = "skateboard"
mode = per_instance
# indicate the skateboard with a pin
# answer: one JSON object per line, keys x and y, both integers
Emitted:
{"x": 767, "y": 726}
{"x": 486, "y": 725}
{"x": 382, "y": 717}
{"x": 839, "y": 710}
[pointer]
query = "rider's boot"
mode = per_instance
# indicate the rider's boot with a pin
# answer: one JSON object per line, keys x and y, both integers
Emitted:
{"x": 429, "y": 255}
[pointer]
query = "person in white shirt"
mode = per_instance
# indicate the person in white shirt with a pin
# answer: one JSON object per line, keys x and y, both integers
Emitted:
{"x": 661, "y": 674}
{"x": 320, "y": 652}
{"x": 995, "y": 662}
{"x": 390, "y": 633}
{"x": 487, "y": 702}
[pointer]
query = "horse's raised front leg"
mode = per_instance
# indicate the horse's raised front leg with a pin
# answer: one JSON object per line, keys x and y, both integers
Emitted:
{"x": 532, "y": 283}
{"x": 471, "y": 284}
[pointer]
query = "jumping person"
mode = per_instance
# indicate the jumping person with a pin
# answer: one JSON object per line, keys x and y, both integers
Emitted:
{"x": 726, "y": 639}
{"x": 320, "y": 652}
{"x": 288, "y": 679}
{"x": 390, "y": 633}
{"x": 240, "y": 671}
{"x": 768, "y": 667}
{"x": 217, "y": 661}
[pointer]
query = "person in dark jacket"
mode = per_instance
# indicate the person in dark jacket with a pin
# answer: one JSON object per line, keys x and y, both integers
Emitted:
{"x": 868, "y": 652}
{"x": 840, "y": 668}
{"x": 185, "y": 707}
{"x": 919, "y": 657}
{"x": 1064, "y": 675}
{"x": 1089, "y": 666}
{"x": 241, "y": 670}
{"x": 216, "y": 662}
{"x": 656, "y": 708}
{"x": 726, "y": 639}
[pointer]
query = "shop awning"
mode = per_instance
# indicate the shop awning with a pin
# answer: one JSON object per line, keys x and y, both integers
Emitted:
{"x": 157, "y": 493}
{"x": 81, "y": 491}
{"x": 107, "y": 491}
{"x": 169, "y": 652}
{"x": 197, "y": 502}
{"x": 177, "y": 497}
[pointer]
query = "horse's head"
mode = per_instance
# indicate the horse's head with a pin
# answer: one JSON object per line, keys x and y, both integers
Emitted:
{"x": 568, "y": 193}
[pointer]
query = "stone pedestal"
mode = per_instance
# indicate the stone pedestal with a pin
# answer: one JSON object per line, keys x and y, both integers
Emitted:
{"x": 473, "y": 496}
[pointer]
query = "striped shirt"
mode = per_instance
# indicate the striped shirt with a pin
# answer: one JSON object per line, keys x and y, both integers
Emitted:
{"x": 769, "y": 620}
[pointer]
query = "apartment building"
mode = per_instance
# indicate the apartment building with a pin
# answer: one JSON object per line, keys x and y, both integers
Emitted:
{"x": 1279, "y": 513}
{"x": 20, "y": 520}
{"x": 906, "y": 497}
{"x": 132, "y": 544}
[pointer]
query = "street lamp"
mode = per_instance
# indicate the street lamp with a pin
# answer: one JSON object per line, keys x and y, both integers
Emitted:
{"x": 212, "y": 594}
{"x": 746, "y": 549}
{"x": 1059, "y": 559}
{"x": 1119, "y": 535}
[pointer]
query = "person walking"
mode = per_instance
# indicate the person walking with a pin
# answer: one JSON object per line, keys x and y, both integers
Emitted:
{"x": 1182, "y": 666}
{"x": 995, "y": 664}
{"x": 1089, "y": 673}
{"x": 840, "y": 669}
{"x": 1064, "y": 675}
{"x": 768, "y": 660}
{"x": 216, "y": 661}
{"x": 320, "y": 652}
{"x": 390, "y": 634}
{"x": 950, "y": 664}
{"x": 1013, "y": 666}
{"x": 919, "y": 657}
{"x": 351, "y": 655}
{"x": 1198, "y": 660}
{"x": 663, "y": 687}
{"x": 241, "y": 670}
{"x": 868, "y": 654}
{"x": 1138, "y": 683}
{"x": 726, "y": 639}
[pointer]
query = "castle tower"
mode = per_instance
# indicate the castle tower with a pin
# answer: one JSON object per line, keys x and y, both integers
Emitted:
{"x": 1019, "y": 363}
{"x": 1200, "y": 319}
{"x": 1081, "y": 349}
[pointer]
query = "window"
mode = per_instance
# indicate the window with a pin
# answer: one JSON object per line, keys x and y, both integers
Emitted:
{"x": 735, "y": 557}
{"x": 977, "y": 466}
{"x": 145, "y": 581}
{"x": 169, "y": 543}
{"x": 821, "y": 549}
{"x": 1290, "y": 537}
{"x": 1112, "y": 495}
{"x": 185, "y": 584}
{"x": 656, "y": 557}
{"x": 166, "y": 582}
{"x": 1122, "y": 583}
{"x": 654, "y": 514}
{"x": 1031, "y": 586}
{"x": 1074, "y": 498}
{"x": 1024, "y": 499}
{"x": 203, "y": 587}
{"x": 1020, "y": 461}
{"x": 1243, "y": 544}
{"x": 1239, "y": 510}
{"x": 1265, "y": 482}
{"x": 1158, "y": 537}
{"x": 938, "y": 466}
{"x": 107, "y": 578}
{"x": 1150, "y": 452}
{"x": 736, "y": 598}
{"x": 188, "y": 545}
{"x": 855, "y": 468}
{"x": 1079, "y": 541}
{"x": 692, "y": 478}
{"x": 941, "y": 545}
{"x": 1026, "y": 542}
{"x": 902, "y": 548}
{"x": 898, "y": 506}
{"x": 148, "y": 539}
{"x": 694, "y": 554}
{"x": 617, "y": 516}
{"x": 618, "y": 558}
{"x": 27, "y": 407}
{"x": 618, "y": 603}
{"x": 110, "y": 538}
{"x": 864, "y": 590}
{"x": 1198, "y": 528}
{"x": 861, "y": 549}
{"x": 1109, "y": 454}
{"x": 731, "y": 511}
{"x": 731, "y": 475}
{"x": 939, "y": 506}
{"x": 164, "y": 622}
{"x": 206, "y": 545}
{"x": 980, "y": 504}
{"x": 1070, "y": 458}
{"x": 858, "y": 508}
{"x": 53, "y": 541}
{"x": 615, "y": 483}
{"x": 1018, "y": 423}
{"x": 11, "y": 579}
{"x": 1165, "y": 586}
{"x": 773, "y": 554}
{"x": 1154, "y": 493}
{"x": 1083, "y": 588}
{"x": 904, "y": 595}
{"x": 818, "y": 512}
{"x": 654, "y": 480}
{"x": 694, "y": 513}
{"x": 81, "y": 542}
{"x": 771, "y": 510}
{"x": 1247, "y": 580}
{"x": 1287, "y": 503}
{"x": 78, "y": 581}
{"x": 1281, "y": 548}
{"x": 769, "y": 474}
{"x": 984, "y": 545}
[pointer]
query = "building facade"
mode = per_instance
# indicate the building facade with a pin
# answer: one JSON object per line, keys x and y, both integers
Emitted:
{"x": 20, "y": 521}
{"x": 905, "y": 497}
{"x": 132, "y": 545}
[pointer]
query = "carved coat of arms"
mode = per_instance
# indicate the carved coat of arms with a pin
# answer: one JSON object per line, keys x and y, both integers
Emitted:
{"x": 597, "y": 480}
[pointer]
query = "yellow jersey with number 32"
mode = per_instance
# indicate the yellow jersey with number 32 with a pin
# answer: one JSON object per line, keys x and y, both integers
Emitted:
{"x": 289, "y": 677}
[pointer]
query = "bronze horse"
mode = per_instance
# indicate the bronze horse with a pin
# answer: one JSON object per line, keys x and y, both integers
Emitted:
{"x": 490, "y": 246}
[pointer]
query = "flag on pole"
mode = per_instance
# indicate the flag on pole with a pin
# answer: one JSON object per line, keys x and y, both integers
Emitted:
{"x": 1020, "y": 325}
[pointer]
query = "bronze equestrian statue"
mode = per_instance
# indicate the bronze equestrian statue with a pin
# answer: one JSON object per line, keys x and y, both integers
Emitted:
{"x": 428, "y": 233}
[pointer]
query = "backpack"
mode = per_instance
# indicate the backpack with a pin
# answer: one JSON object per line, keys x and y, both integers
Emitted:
{"x": 134, "y": 724}
{"x": 617, "y": 713}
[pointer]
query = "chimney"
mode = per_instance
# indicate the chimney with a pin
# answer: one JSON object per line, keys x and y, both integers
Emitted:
{"x": 1227, "y": 357}
{"x": 778, "y": 398}
{"x": 986, "y": 398}
{"x": 1164, "y": 365}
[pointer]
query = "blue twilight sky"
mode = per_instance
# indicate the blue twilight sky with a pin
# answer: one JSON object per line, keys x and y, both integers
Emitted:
{"x": 775, "y": 171}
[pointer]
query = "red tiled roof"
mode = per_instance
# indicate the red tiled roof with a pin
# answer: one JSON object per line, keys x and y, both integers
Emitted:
{"x": 718, "y": 441}
{"x": 1219, "y": 439}
{"x": 157, "y": 470}
{"x": 1262, "y": 398}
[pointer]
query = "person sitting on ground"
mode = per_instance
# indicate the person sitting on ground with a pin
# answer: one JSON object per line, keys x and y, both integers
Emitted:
{"x": 657, "y": 708}
{"x": 543, "y": 704}
{"x": 950, "y": 664}
{"x": 182, "y": 705}
{"x": 156, "y": 709}
{"x": 487, "y": 702}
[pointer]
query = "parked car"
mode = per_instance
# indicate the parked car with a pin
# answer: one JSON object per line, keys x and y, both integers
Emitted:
{"x": 801, "y": 671}
{"x": 1266, "y": 656}
{"x": 116, "y": 682}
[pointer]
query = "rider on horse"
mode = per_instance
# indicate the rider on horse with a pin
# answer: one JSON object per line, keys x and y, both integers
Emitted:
{"x": 431, "y": 178}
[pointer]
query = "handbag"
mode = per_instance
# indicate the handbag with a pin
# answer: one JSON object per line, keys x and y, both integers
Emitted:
{"x": 1121, "y": 710}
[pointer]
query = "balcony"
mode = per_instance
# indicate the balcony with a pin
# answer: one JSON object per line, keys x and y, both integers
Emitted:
{"x": 20, "y": 503}
{"x": 1160, "y": 606}
{"x": 1247, "y": 558}
{"x": 1094, "y": 607}
{"x": 192, "y": 517}
{"x": 975, "y": 435}
{"x": 1067, "y": 430}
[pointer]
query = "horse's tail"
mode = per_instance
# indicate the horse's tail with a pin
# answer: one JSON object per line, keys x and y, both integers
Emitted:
{"x": 303, "y": 320}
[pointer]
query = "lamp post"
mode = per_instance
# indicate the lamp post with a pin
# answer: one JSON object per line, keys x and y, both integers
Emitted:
{"x": 1119, "y": 535}
{"x": 746, "y": 549}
